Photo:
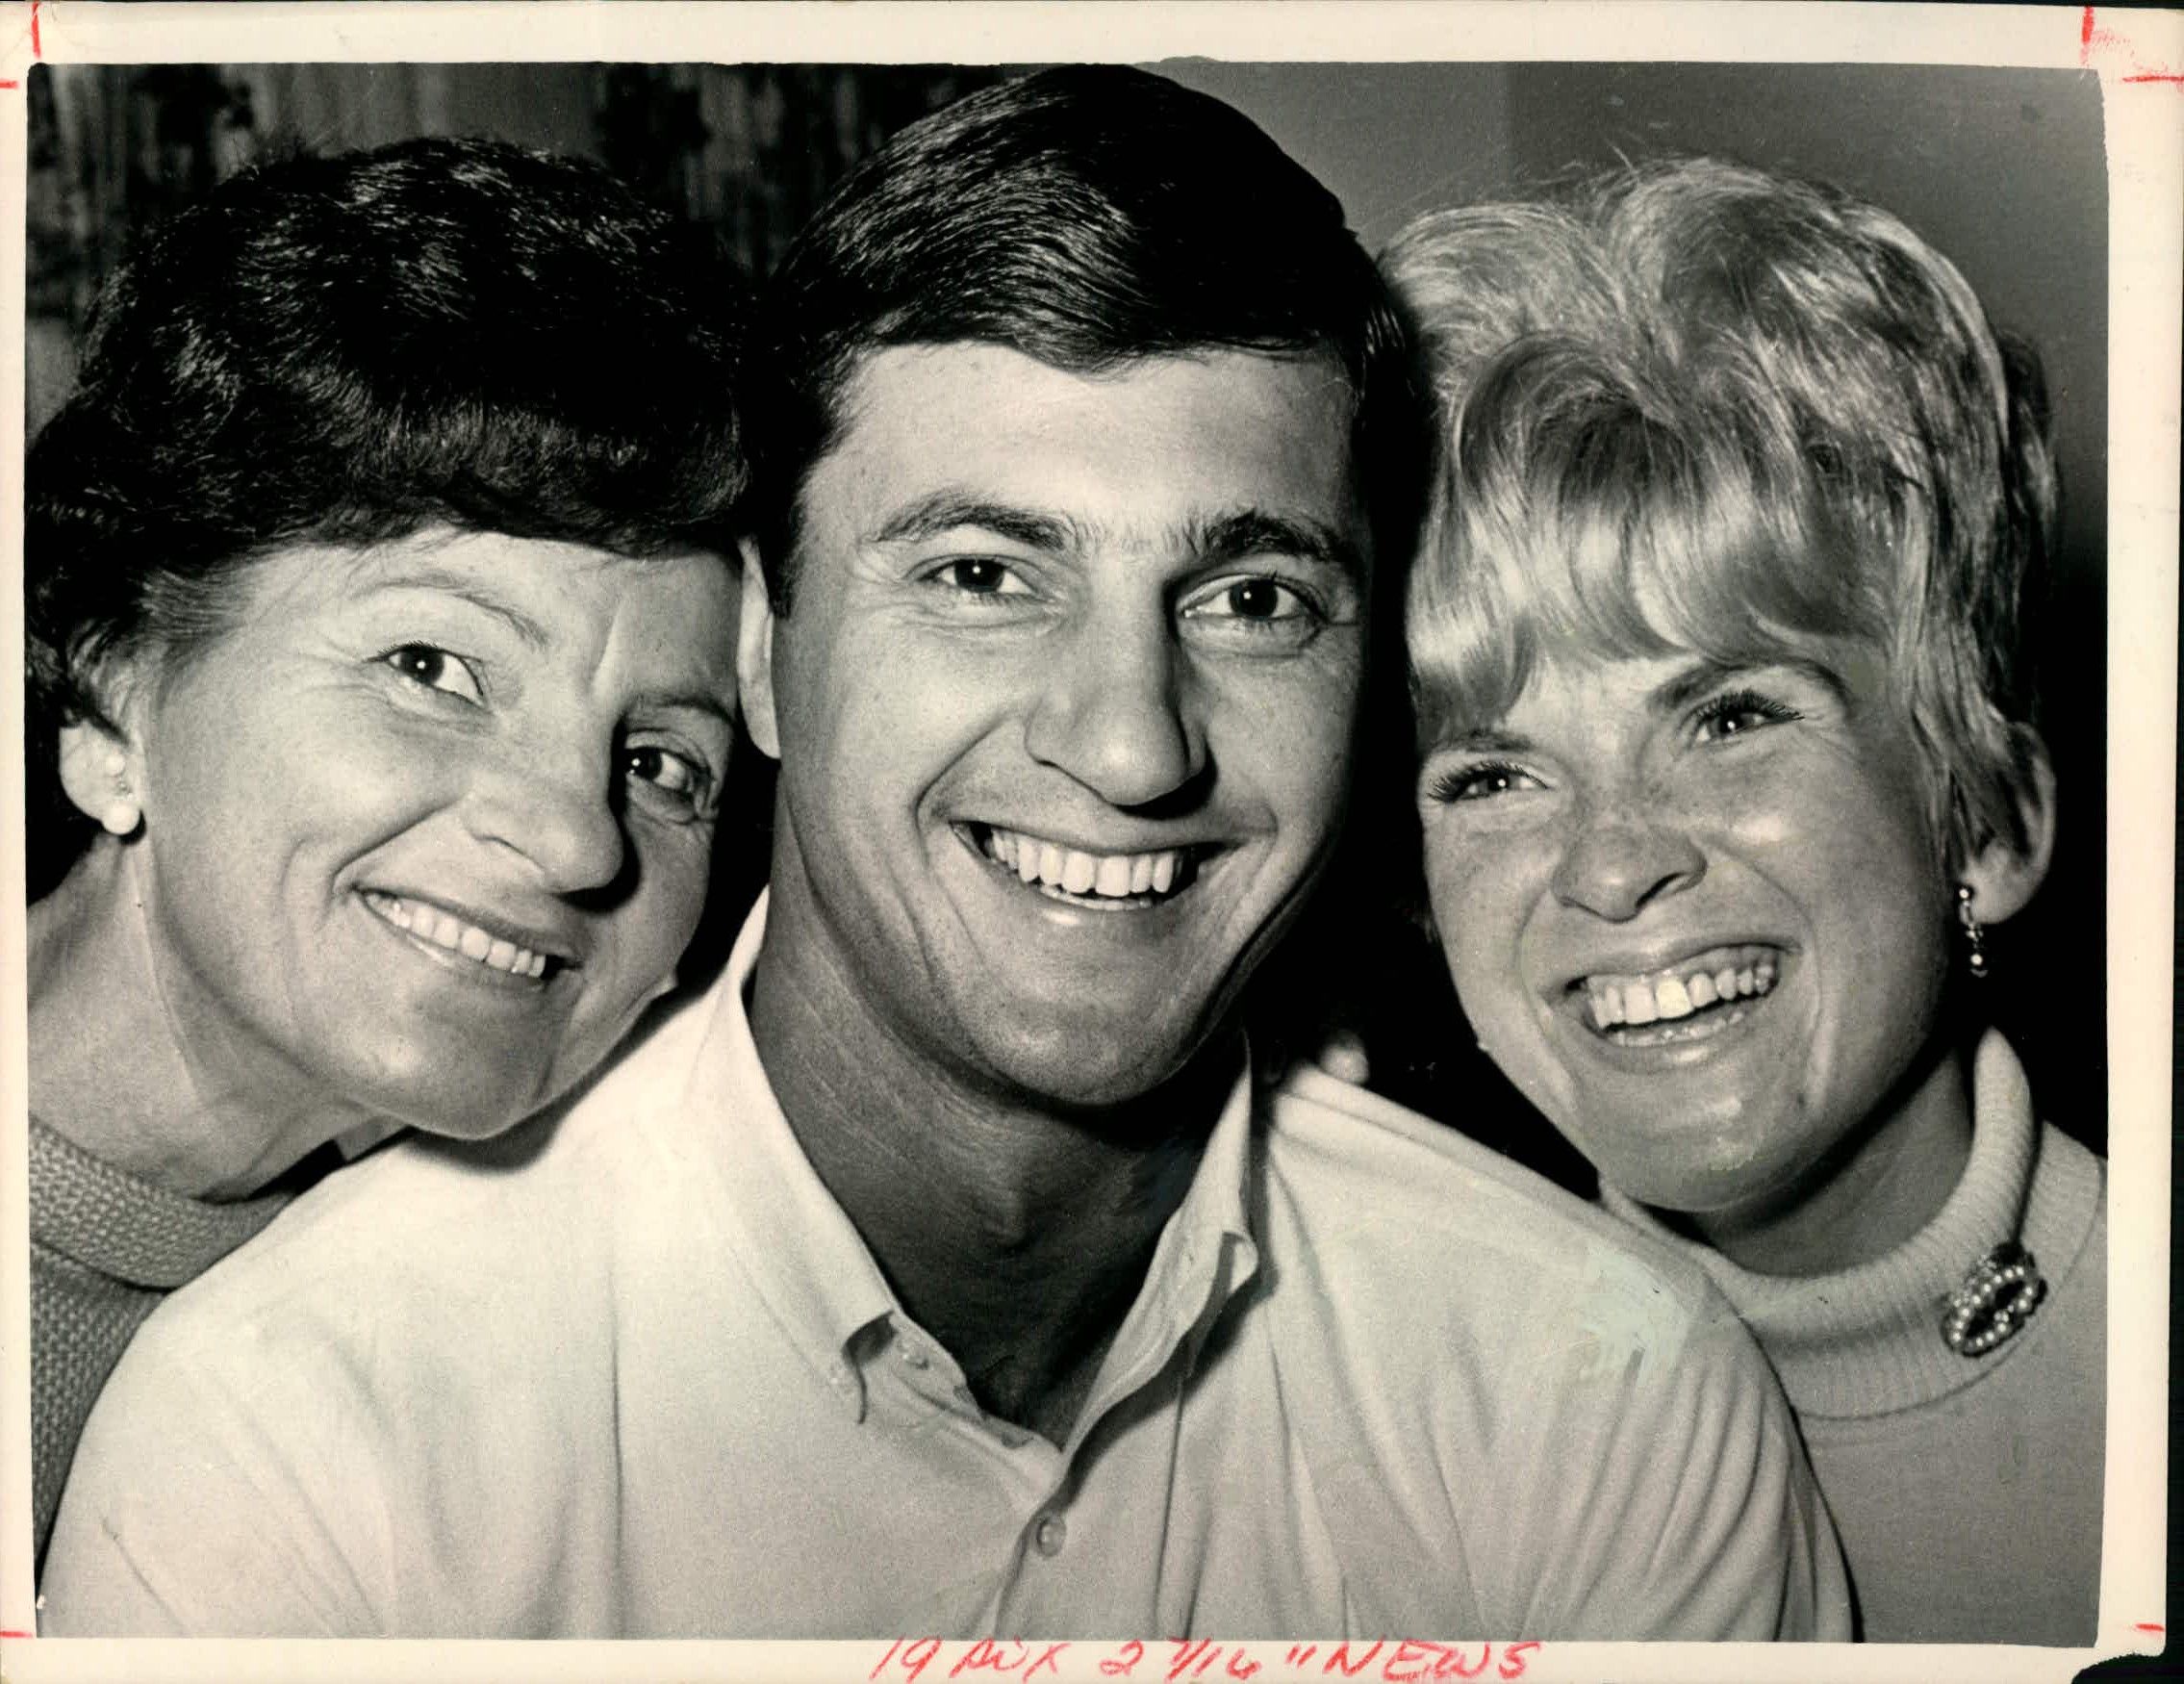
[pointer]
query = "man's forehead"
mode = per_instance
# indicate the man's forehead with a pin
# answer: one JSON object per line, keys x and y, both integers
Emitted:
{"x": 880, "y": 372}
{"x": 1183, "y": 441}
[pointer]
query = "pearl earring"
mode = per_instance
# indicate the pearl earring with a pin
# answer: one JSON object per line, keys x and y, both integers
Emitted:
{"x": 1972, "y": 933}
{"x": 122, "y": 814}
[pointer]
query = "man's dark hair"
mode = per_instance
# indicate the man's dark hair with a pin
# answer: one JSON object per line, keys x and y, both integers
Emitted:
{"x": 351, "y": 349}
{"x": 1087, "y": 216}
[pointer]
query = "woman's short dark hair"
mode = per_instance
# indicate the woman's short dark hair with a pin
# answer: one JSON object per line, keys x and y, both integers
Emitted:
{"x": 351, "y": 349}
{"x": 1086, "y": 215}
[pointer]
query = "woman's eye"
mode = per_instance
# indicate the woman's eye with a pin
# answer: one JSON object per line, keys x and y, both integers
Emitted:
{"x": 422, "y": 663}
{"x": 1738, "y": 713}
{"x": 1479, "y": 782}
{"x": 666, "y": 778}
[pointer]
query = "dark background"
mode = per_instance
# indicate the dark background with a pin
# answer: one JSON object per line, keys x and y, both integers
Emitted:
{"x": 2001, "y": 170}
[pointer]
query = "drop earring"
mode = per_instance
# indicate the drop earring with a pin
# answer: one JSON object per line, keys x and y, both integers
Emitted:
{"x": 1973, "y": 935}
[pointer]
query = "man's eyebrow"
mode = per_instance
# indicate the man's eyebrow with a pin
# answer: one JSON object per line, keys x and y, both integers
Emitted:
{"x": 949, "y": 511}
{"x": 444, "y": 583}
{"x": 1250, "y": 532}
{"x": 1683, "y": 689}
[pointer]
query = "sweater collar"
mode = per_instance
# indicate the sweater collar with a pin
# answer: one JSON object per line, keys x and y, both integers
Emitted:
{"x": 106, "y": 1219}
{"x": 1868, "y": 1339}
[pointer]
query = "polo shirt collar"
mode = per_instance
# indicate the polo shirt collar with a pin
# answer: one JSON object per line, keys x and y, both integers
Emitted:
{"x": 822, "y": 1285}
{"x": 1203, "y": 1257}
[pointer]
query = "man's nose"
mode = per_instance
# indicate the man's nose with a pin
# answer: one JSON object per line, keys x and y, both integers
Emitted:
{"x": 1115, "y": 713}
{"x": 1620, "y": 857}
{"x": 558, "y": 807}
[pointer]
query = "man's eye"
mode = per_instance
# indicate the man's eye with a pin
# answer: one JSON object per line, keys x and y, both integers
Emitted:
{"x": 666, "y": 780}
{"x": 1738, "y": 713}
{"x": 1260, "y": 599}
{"x": 422, "y": 663}
{"x": 1254, "y": 614}
{"x": 980, "y": 575}
{"x": 1479, "y": 782}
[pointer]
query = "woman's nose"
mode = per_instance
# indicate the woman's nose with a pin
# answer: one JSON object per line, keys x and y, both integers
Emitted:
{"x": 1621, "y": 860}
{"x": 562, "y": 813}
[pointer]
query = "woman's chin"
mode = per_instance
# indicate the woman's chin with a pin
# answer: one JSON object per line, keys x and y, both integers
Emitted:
{"x": 1700, "y": 1171}
{"x": 457, "y": 1103}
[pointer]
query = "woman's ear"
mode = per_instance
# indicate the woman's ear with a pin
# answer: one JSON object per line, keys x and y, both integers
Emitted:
{"x": 2003, "y": 874}
{"x": 100, "y": 771}
{"x": 754, "y": 655}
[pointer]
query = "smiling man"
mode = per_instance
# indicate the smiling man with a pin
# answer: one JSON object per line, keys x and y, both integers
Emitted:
{"x": 943, "y": 1269}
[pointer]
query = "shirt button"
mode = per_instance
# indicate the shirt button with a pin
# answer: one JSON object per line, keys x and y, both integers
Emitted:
{"x": 1048, "y": 1535}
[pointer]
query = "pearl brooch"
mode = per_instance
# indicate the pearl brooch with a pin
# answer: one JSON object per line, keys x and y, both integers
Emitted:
{"x": 1997, "y": 1297}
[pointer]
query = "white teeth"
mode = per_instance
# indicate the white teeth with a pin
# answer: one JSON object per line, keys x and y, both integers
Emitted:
{"x": 445, "y": 930}
{"x": 1669, "y": 995}
{"x": 1074, "y": 872}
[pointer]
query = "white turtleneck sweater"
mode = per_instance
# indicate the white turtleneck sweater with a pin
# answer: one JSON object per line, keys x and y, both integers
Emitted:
{"x": 1966, "y": 1491}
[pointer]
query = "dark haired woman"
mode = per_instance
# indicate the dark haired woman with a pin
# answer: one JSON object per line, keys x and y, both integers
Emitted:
{"x": 381, "y": 691}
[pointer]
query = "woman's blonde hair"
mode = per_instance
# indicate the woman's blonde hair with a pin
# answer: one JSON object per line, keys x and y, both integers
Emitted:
{"x": 1696, "y": 405}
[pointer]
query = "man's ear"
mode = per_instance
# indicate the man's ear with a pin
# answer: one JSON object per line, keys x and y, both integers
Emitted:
{"x": 754, "y": 655}
{"x": 2001, "y": 874}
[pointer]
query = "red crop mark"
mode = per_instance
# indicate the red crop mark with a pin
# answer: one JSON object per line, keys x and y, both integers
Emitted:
{"x": 37, "y": 51}
{"x": 5, "y": 87}
{"x": 2092, "y": 35}
{"x": 2148, "y": 1625}
{"x": 14, "y": 1633}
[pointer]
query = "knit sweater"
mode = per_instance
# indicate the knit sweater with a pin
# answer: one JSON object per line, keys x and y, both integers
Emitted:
{"x": 105, "y": 1249}
{"x": 1966, "y": 1489}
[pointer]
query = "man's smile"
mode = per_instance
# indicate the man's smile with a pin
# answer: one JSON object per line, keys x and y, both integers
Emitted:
{"x": 1117, "y": 881}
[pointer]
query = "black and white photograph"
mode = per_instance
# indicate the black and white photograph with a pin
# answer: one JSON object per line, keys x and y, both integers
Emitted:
{"x": 1044, "y": 845}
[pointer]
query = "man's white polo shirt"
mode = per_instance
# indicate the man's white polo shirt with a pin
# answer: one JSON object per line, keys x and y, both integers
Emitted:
{"x": 630, "y": 1371}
